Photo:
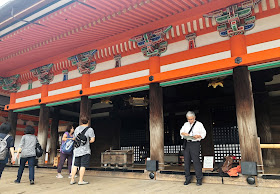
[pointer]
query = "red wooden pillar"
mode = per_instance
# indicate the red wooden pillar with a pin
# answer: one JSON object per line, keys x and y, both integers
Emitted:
{"x": 85, "y": 105}
{"x": 245, "y": 110}
{"x": 156, "y": 116}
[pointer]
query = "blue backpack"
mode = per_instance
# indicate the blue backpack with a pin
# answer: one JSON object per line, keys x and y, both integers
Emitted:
{"x": 68, "y": 146}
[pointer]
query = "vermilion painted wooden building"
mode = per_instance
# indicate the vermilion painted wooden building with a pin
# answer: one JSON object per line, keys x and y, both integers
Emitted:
{"x": 143, "y": 64}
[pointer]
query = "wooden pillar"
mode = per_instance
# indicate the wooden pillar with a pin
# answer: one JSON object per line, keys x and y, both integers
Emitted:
{"x": 43, "y": 128}
{"x": 12, "y": 119}
{"x": 261, "y": 98}
{"x": 156, "y": 115}
{"x": 54, "y": 134}
{"x": 245, "y": 113}
{"x": 156, "y": 124}
{"x": 245, "y": 110}
{"x": 207, "y": 144}
{"x": 85, "y": 108}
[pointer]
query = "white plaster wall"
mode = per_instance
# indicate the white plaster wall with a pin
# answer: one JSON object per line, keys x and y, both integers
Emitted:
{"x": 73, "y": 74}
{"x": 57, "y": 78}
{"x": 36, "y": 84}
{"x": 203, "y": 40}
{"x": 266, "y": 23}
{"x": 134, "y": 58}
{"x": 263, "y": 46}
{"x": 120, "y": 78}
{"x": 209, "y": 38}
{"x": 27, "y": 98}
{"x": 196, "y": 61}
{"x": 23, "y": 87}
{"x": 64, "y": 90}
{"x": 104, "y": 66}
{"x": 176, "y": 47}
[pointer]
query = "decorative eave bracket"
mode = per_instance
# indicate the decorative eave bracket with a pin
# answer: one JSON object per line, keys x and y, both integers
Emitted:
{"x": 235, "y": 19}
{"x": 84, "y": 61}
{"x": 44, "y": 74}
{"x": 10, "y": 83}
{"x": 152, "y": 43}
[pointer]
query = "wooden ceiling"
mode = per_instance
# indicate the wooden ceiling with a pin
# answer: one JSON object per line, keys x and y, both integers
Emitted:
{"x": 91, "y": 22}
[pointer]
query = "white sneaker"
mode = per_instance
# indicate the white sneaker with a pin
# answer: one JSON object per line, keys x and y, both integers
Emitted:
{"x": 70, "y": 176}
{"x": 59, "y": 176}
{"x": 72, "y": 183}
{"x": 83, "y": 183}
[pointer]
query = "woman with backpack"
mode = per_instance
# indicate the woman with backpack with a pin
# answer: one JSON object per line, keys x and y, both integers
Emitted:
{"x": 66, "y": 152}
{"x": 6, "y": 145}
{"x": 27, "y": 150}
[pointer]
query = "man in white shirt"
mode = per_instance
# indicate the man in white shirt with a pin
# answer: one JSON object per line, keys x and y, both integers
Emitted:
{"x": 196, "y": 131}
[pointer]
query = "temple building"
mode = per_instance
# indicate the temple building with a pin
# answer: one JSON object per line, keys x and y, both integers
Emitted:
{"x": 135, "y": 67}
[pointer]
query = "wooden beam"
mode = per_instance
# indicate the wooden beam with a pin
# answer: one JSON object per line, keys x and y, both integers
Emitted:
{"x": 270, "y": 146}
{"x": 272, "y": 87}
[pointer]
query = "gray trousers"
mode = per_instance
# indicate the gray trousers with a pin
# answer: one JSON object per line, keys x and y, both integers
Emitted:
{"x": 191, "y": 152}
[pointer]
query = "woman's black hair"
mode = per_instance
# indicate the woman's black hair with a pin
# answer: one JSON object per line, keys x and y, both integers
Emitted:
{"x": 5, "y": 128}
{"x": 29, "y": 130}
{"x": 68, "y": 128}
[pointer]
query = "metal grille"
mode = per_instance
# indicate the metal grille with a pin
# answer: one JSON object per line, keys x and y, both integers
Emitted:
{"x": 133, "y": 137}
{"x": 173, "y": 149}
{"x": 136, "y": 152}
{"x": 226, "y": 135}
{"x": 222, "y": 150}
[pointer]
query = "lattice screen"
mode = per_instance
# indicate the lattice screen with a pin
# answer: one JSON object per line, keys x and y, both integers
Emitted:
{"x": 222, "y": 150}
{"x": 137, "y": 152}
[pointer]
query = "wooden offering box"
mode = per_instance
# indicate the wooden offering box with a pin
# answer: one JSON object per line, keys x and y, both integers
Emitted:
{"x": 117, "y": 159}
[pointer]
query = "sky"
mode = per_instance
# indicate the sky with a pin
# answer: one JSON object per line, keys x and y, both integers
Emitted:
{"x": 2, "y": 2}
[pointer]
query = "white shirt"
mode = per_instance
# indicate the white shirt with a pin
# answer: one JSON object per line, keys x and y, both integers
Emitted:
{"x": 198, "y": 129}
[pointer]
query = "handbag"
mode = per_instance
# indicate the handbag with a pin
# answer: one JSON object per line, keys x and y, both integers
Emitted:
{"x": 68, "y": 146}
{"x": 38, "y": 149}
